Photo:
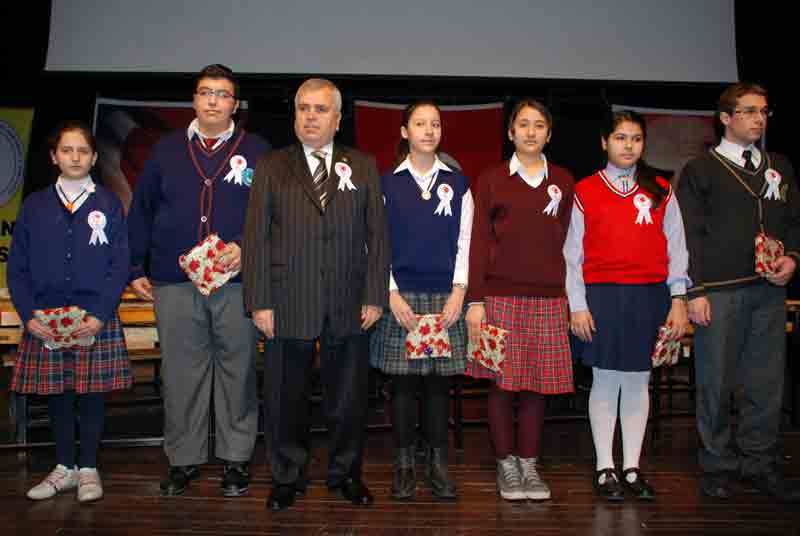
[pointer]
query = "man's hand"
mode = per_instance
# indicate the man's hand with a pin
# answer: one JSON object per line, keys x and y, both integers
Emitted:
{"x": 582, "y": 325}
{"x": 700, "y": 311}
{"x": 231, "y": 257}
{"x": 783, "y": 272}
{"x": 402, "y": 311}
{"x": 369, "y": 315}
{"x": 264, "y": 319}
{"x": 143, "y": 288}
{"x": 89, "y": 327}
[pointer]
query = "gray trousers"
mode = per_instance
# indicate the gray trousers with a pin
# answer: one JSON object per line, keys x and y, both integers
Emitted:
{"x": 745, "y": 344}
{"x": 206, "y": 343}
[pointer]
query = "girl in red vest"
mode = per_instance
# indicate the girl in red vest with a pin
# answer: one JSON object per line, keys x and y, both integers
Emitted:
{"x": 626, "y": 276}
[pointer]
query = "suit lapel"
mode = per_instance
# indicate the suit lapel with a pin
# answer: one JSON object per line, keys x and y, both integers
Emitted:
{"x": 333, "y": 182}
{"x": 303, "y": 175}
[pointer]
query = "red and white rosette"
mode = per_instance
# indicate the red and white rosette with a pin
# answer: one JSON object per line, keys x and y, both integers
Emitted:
{"x": 555, "y": 197}
{"x": 643, "y": 204}
{"x": 344, "y": 172}
{"x": 238, "y": 165}
{"x": 445, "y": 194}
{"x": 429, "y": 340}
{"x": 201, "y": 264}
{"x": 97, "y": 221}
{"x": 773, "y": 179}
{"x": 490, "y": 352}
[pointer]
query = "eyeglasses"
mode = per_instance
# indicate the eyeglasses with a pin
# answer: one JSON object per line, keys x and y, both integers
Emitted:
{"x": 206, "y": 93}
{"x": 752, "y": 112}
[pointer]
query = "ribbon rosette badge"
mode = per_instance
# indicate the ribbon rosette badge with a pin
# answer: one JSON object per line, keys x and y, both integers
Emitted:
{"x": 555, "y": 196}
{"x": 773, "y": 184}
{"x": 238, "y": 165}
{"x": 97, "y": 221}
{"x": 643, "y": 204}
{"x": 344, "y": 172}
{"x": 445, "y": 193}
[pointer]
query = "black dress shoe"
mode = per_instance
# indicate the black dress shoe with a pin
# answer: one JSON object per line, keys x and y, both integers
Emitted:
{"x": 178, "y": 478}
{"x": 235, "y": 479}
{"x": 437, "y": 477}
{"x": 354, "y": 491}
{"x": 404, "y": 479}
{"x": 772, "y": 483}
{"x": 610, "y": 488}
{"x": 639, "y": 488}
{"x": 716, "y": 485}
{"x": 281, "y": 497}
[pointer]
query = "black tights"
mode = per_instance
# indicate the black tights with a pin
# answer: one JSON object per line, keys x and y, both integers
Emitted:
{"x": 61, "y": 409}
{"x": 435, "y": 409}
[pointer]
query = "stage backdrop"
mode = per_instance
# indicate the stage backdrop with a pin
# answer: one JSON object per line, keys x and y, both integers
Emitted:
{"x": 127, "y": 130}
{"x": 15, "y": 133}
{"x": 473, "y": 134}
{"x": 675, "y": 136}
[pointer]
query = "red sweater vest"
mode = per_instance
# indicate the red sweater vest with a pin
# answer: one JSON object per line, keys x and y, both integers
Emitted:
{"x": 624, "y": 240}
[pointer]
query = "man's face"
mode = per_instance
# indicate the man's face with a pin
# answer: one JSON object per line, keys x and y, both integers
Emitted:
{"x": 747, "y": 122}
{"x": 315, "y": 118}
{"x": 214, "y": 103}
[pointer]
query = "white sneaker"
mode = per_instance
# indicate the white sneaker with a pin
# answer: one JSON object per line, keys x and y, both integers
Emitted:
{"x": 60, "y": 479}
{"x": 533, "y": 484}
{"x": 90, "y": 488}
{"x": 509, "y": 479}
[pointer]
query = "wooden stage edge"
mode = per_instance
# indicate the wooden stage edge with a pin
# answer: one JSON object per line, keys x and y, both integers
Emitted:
{"x": 133, "y": 506}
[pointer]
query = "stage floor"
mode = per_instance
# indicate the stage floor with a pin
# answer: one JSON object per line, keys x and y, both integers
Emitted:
{"x": 133, "y": 506}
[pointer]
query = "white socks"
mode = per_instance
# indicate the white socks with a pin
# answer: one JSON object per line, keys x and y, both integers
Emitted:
{"x": 634, "y": 408}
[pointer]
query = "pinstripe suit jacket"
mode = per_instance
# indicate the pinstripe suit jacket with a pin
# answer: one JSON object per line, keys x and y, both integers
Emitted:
{"x": 306, "y": 263}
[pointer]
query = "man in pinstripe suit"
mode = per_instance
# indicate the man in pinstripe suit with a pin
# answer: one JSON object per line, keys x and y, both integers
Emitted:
{"x": 316, "y": 267}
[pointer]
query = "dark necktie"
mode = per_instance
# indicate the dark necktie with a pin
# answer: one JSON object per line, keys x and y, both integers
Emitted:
{"x": 320, "y": 178}
{"x": 748, "y": 160}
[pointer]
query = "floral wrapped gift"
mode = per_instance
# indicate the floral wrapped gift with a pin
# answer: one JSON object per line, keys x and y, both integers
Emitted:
{"x": 768, "y": 250}
{"x": 490, "y": 352}
{"x": 430, "y": 339}
{"x": 666, "y": 352}
{"x": 202, "y": 265}
{"x": 63, "y": 321}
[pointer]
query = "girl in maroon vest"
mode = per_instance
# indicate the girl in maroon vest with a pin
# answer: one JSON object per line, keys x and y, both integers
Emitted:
{"x": 516, "y": 282}
{"x": 626, "y": 276}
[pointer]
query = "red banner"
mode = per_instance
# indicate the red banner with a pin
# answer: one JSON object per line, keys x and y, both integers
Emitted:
{"x": 472, "y": 135}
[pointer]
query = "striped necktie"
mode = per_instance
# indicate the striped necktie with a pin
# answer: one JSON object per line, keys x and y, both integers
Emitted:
{"x": 747, "y": 156}
{"x": 320, "y": 178}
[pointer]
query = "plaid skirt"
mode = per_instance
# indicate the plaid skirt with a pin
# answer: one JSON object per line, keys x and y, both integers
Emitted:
{"x": 387, "y": 348}
{"x": 102, "y": 367}
{"x": 538, "y": 356}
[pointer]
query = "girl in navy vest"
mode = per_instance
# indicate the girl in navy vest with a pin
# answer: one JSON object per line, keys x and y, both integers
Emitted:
{"x": 429, "y": 208}
{"x": 516, "y": 282}
{"x": 626, "y": 254}
{"x": 70, "y": 247}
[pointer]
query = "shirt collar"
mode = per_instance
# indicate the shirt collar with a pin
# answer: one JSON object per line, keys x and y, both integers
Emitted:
{"x": 327, "y": 149}
{"x": 733, "y": 151}
{"x": 515, "y": 166}
{"x": 438, "y": 165}
{"x": 194, "y": 129}
{"x": 73, "y": 193}
{"x": 614, "y": 172}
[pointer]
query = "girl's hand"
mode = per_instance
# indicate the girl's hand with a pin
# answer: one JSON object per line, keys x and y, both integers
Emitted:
{"x": 476, "y": 315}
{"x": 401, "y": 311}
{"x": 89, "y": 327}
{"x": 39, "y": 330}
{"x": 452, "y": 309}
{"x": 582, "y": 325}
{"x": 678, "y": 319}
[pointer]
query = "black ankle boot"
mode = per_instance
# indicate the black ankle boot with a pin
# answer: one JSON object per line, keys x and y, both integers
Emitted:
{"x": 404, "y": 479}
{"x": 436, "y": 475}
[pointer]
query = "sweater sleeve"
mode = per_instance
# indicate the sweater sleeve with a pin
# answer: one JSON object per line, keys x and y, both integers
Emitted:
{"x": 692, "y": 194}
{"x": 18, "y": 273}
{"x": 791, "y": 241}
{"x": 118, "y": 268}
{"x": 144, "y": 208}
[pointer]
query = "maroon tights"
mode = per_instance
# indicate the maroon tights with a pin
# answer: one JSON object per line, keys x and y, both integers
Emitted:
{"x": 501, "y": 422}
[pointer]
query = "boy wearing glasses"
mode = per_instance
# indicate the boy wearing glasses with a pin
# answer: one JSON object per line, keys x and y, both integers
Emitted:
{"x": 729, "y": 196}
{"x": 195, "y": 183}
